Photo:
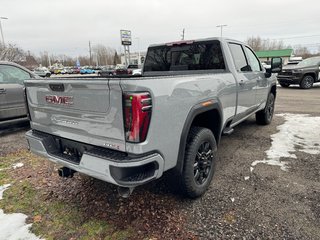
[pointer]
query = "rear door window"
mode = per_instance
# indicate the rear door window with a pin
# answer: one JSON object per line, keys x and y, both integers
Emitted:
{"x": 194, "y": 56}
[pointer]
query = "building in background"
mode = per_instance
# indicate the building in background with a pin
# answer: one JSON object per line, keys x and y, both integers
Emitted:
{"x": 134, "y": 58}
{"x": 285, "y": 54}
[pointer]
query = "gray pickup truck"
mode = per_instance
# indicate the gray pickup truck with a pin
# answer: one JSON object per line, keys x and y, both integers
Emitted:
{"x": 130, "y": 130}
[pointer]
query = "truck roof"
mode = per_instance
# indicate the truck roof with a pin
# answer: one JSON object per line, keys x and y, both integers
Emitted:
{"x": 221, "y": 39}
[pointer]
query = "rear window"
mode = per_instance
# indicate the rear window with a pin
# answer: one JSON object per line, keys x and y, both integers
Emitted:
{"x": 195, "y": 56}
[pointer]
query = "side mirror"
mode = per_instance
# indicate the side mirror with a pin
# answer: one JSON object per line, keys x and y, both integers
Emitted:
{"x": 276, "y": 65}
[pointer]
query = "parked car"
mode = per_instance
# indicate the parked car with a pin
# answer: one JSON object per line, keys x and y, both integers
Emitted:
{"x": 137, "y": 72}
{"x": 86, "y": 71}
{"x": 57, "y": 71}
{"x": 129, "y": 131}
{"x": 106, "y": 71}
{"x": 42, "y": 72}
{"x": 68, "y": 70}
{"x": 75, "y": 70}
{"x": 121, "y": 70}
{"x": 12, "y": 99}
{"x": 305, "y": 73}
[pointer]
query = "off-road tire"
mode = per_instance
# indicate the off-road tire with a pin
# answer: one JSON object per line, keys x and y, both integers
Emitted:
{"x": 264, "y": 116}
{"x": 307, "y": 82}
{"x": 197, "y": 138}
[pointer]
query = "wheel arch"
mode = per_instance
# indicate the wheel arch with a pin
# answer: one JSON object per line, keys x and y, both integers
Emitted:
{"x": 273, "y": 90}
{"x": 312, "y": 74}
{"x": 203, "y": 116}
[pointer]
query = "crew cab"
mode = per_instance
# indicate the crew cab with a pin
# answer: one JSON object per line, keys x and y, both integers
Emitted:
{"x": 130, "y": 130}
{"x": 305, "y": 73}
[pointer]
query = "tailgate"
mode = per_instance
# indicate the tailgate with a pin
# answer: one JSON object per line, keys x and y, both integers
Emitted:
{"x": 84, "y": 110}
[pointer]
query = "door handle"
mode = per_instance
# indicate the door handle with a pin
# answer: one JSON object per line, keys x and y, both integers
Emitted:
{"x": 2, "y": 91}
{"x": 241, "y": 82}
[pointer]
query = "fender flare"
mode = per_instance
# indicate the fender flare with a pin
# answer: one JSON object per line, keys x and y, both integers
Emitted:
{"x": 195, "y": 111}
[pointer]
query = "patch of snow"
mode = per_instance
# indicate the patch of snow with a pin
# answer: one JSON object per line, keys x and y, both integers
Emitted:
{"x": 17, "y": 165}
{"x": 298, "y": 133}
{"x": 13, "y": 226}
{"x": 2, "y": 189}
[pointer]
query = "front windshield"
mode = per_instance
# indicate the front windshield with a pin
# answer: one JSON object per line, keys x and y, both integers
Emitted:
{"x": 309, "y": 62}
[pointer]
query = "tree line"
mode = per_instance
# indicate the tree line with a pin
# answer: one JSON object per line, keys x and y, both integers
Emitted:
{"x": 260, "y": 44}
{"x": 101, "y": 56}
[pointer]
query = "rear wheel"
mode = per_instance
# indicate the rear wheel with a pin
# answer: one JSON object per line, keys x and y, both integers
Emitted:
{"x": 199, "y": 162}
{"x": 265, "y": 116}
{"x": 285, "y": 85}
{"x": 307, "y": 82}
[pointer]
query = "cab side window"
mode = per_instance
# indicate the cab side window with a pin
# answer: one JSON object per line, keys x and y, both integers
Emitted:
{"x": 239, "y": 58}
{"x": 254, "y": 62}
{"x": 12, "y": 74}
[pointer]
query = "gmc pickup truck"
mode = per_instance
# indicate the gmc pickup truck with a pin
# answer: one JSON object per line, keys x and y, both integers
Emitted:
{"x": 130, "y": 130}
{"x": 305, "y": 73}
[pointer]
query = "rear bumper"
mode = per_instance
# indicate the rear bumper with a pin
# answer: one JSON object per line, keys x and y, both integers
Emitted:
{"x": 106, "y": 165}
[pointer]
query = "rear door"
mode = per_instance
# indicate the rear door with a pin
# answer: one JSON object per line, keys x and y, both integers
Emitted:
{"x": 247, "y": 82}
{"x": 12, "y": 91}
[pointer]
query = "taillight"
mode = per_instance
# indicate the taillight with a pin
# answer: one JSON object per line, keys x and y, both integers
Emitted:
{"x": 137, "y": 115}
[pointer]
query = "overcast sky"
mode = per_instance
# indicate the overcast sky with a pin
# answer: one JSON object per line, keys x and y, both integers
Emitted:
{"x": 65, "y": 27}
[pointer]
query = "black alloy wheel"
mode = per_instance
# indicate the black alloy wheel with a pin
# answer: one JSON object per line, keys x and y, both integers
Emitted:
{"x": 202, "y": 163}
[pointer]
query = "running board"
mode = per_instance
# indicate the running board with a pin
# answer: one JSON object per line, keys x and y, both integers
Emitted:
{"x": 227, "y": 131}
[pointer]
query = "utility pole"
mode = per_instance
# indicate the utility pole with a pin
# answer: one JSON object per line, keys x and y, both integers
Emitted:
{"x": 221, "y": 27}
{"x": 90, "y": 53}
{"x": 2, "y": 30}
{"x": 182, "y": 35}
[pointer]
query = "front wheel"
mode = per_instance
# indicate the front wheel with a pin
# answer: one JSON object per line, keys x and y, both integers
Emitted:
{"x": 199, "y": 162}
{"x": 265, "y": 115}
{"x": 307, "y": 82}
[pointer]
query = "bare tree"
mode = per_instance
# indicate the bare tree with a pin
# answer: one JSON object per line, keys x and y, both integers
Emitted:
{"x": 259, "y": 44}
{"x": 103, "y": 55}
{"x": 302, "y": 52}
{"x": 116, "y": 59}
{"x": 11, "y": 53}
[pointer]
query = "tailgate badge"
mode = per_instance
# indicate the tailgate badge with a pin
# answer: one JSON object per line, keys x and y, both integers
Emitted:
{"x": 59, "y": 100}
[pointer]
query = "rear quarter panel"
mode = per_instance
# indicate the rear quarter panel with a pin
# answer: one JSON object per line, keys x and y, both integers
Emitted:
{"x": 173, "y": 98}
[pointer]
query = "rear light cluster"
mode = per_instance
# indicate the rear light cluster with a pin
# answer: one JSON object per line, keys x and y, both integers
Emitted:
{"x": 137, "y": 115}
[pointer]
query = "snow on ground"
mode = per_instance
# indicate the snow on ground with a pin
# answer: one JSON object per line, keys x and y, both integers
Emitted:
{"x": 3, "y": 188}
{"x": 300, "y": 132}
{"x": 17, "y": 165}
{"x": 13, "y": 226}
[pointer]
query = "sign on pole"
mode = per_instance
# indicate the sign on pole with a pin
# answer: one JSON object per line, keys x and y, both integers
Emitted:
{"x": 125, "y": 37}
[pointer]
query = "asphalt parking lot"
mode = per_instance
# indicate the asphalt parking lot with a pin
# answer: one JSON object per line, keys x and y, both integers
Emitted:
{"x": 252, "y": 196}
